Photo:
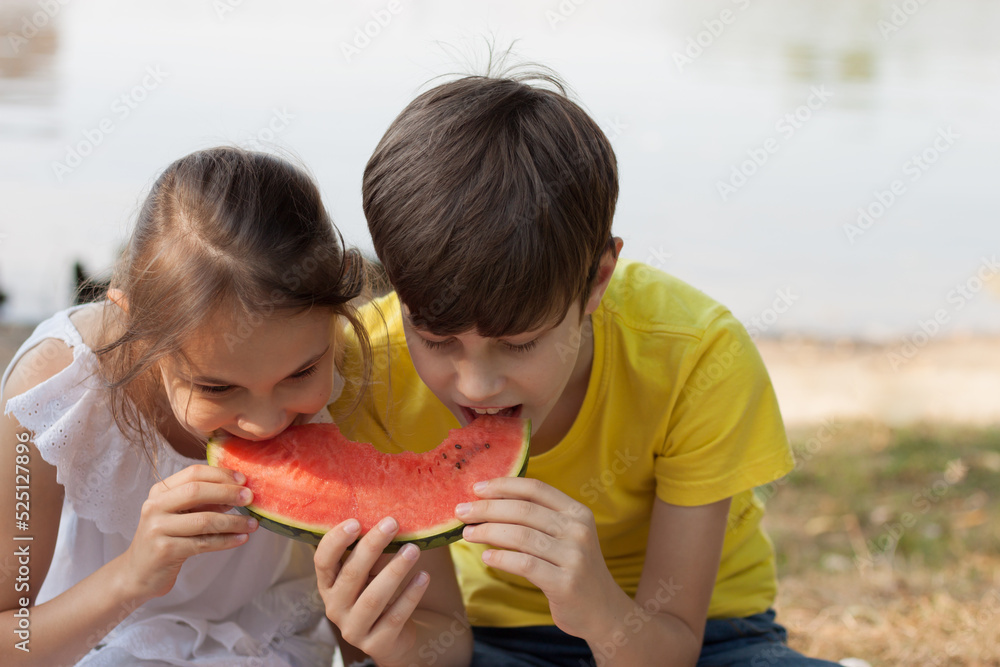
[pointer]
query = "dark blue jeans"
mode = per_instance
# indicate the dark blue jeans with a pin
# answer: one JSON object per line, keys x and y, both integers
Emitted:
{"x": 755, "y": 641}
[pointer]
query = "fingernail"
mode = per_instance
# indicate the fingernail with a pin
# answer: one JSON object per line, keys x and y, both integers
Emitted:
{"x": 421, "y": 578}
{"x": 467, "y": 532}
{"x": 352, "y": 526}
{"x": 251, "y": 523}
{"x": 239, "y": 477}
{"x": 387, "y": 525}
{"x": 487, "y": 556}
{"x": 242, "y": 537}
{"x": 410, "y": 552}
{"x": 463, "y": 508}
{"x": 246, "y": 495}
{"x": 479, "y": 486}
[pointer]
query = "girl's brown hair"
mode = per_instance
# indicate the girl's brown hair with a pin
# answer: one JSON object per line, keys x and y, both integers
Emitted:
{"x": 221, "y": 228}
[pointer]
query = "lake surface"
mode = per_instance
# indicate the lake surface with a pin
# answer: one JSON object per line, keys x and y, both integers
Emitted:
{"x": 822, "y": 168}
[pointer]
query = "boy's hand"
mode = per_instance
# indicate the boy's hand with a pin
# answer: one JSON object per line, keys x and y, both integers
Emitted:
{"x": 551, "y": 540}
{"x": 370, "y": 598}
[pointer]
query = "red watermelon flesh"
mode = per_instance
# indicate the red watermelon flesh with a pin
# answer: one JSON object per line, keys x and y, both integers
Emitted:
{"x": 311, "y": 478}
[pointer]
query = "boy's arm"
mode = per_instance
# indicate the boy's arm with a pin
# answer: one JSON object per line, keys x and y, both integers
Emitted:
{"x": 668, "y": 614}
{"x": 550, "y": 539}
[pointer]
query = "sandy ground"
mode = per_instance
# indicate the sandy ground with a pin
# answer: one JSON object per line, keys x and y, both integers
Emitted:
{"x": 949, "y": 380}
{"x": 954, "y": 380}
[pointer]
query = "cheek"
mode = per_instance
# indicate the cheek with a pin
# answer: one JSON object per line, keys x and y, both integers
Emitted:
{"x": 316, "y": 394}
{"x": 199, "y": 414}
{"x": 431, "y": 371}
{"x": 547, "y": 376}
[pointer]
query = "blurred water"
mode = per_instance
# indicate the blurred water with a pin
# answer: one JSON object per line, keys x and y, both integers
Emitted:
{"x": 720, "y": 186}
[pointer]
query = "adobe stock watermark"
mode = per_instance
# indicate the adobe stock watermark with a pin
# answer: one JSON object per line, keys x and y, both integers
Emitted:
{"x": 291, "y": 280}
{"x": 957, "y": 298}
{"x": 716, "y": 366}
{"x": 786, "y": 127}
{"x": 225, "y": 7}
{"x": 592, "y": 489}
{"x": 371, "y": 29}
{"x": 266, "y": 135}
{"x": 121, "y": 108}
{"x": 298, "y": 614}
{"x": 882, "y": 549}
{"x": 901, "y": 14}
{"x": 799, "y": 456}
{"x": 435, "y": 648}
{"x": 698, "y": 43}
{"x": 914, "y": 168}
{"x": 562, "y": 13}
{"x": 783, "y": 301}
{"x": 641, "y": 273}
{"x": 972, "y": 632}
{"x": 636, "y": 620}
{"x": 34, "y": 24}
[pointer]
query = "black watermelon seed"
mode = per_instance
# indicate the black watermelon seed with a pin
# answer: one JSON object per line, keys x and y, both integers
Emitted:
{"x": 458, "y": 465}
{"x": 487, "y": 445}
{"x": 444, "y": 456}
{"x": 458, "y": 446}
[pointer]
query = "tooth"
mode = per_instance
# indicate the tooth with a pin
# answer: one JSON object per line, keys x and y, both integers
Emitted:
{"x": 492, "y": 411}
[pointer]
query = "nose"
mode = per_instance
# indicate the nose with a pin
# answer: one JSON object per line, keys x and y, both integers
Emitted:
{"x": 477, "y": 381}
{"x": 263, "y": 422}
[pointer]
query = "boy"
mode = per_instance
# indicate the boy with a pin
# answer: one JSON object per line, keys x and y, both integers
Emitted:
{"x": 490, "y": 202}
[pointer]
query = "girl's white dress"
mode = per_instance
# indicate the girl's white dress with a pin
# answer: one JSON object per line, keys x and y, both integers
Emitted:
{"x": 256, "y": 604}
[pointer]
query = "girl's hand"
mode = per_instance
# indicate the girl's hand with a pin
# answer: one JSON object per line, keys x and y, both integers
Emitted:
{"x": 370, "y": 598}
{"x": 551, "y": 540}
{"x": 184, "y": 516}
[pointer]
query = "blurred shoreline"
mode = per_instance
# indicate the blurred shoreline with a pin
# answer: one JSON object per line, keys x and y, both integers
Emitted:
{"x": 950, "y": 380}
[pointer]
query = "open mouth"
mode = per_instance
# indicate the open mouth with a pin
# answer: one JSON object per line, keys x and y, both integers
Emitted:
{"x": 471, "y": 414}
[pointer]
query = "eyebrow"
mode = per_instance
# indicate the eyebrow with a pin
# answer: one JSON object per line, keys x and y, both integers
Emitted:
{"x": 201, "y": 379}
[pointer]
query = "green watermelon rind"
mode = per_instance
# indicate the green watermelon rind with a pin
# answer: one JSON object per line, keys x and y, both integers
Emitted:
{"x": 437, "y": 537}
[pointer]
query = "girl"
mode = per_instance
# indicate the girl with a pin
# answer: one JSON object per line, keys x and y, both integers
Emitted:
{"x": 222, "y": 317}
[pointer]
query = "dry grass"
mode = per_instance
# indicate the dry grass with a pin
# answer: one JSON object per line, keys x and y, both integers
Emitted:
{"x": 889, "y": 546}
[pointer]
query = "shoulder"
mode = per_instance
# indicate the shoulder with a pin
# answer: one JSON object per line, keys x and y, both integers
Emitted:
{"x": 646, "y": 298}
{"x": 656, "y": 315}
{"x": 677, "y": 338}
{"x": 50, "y": 355}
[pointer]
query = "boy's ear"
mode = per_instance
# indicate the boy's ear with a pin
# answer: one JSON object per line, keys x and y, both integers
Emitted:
{"x": 609, "y": 260}
{"x": 117, "y": 297}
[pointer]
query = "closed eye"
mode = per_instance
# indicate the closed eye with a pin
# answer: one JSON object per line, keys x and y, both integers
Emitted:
{"x": 436, "y": 344}
{"x": 215, "y": 390}
{"x": 523, "y": 347}
{"x": 304, "y": 373}
{"x": 223, "y": 389}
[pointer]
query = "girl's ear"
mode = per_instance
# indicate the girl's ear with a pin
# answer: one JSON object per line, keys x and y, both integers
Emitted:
{"x": 117, "y": 297}
{"x": 604, "y": 271}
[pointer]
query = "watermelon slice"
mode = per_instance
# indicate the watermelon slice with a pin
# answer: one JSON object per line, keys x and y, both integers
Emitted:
{"x": 311, "y": 477}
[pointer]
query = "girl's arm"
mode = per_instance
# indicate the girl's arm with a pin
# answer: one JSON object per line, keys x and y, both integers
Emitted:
{"x": 62, "y": 630}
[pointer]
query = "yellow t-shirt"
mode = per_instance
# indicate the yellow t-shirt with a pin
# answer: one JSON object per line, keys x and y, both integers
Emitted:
{"x": 679, "y": 406}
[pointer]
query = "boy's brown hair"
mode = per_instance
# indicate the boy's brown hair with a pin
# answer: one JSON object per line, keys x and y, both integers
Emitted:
{"x": 489, "y": 202}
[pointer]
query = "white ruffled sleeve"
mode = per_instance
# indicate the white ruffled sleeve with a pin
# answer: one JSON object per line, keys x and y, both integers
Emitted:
{"x": 75, "y": 432}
